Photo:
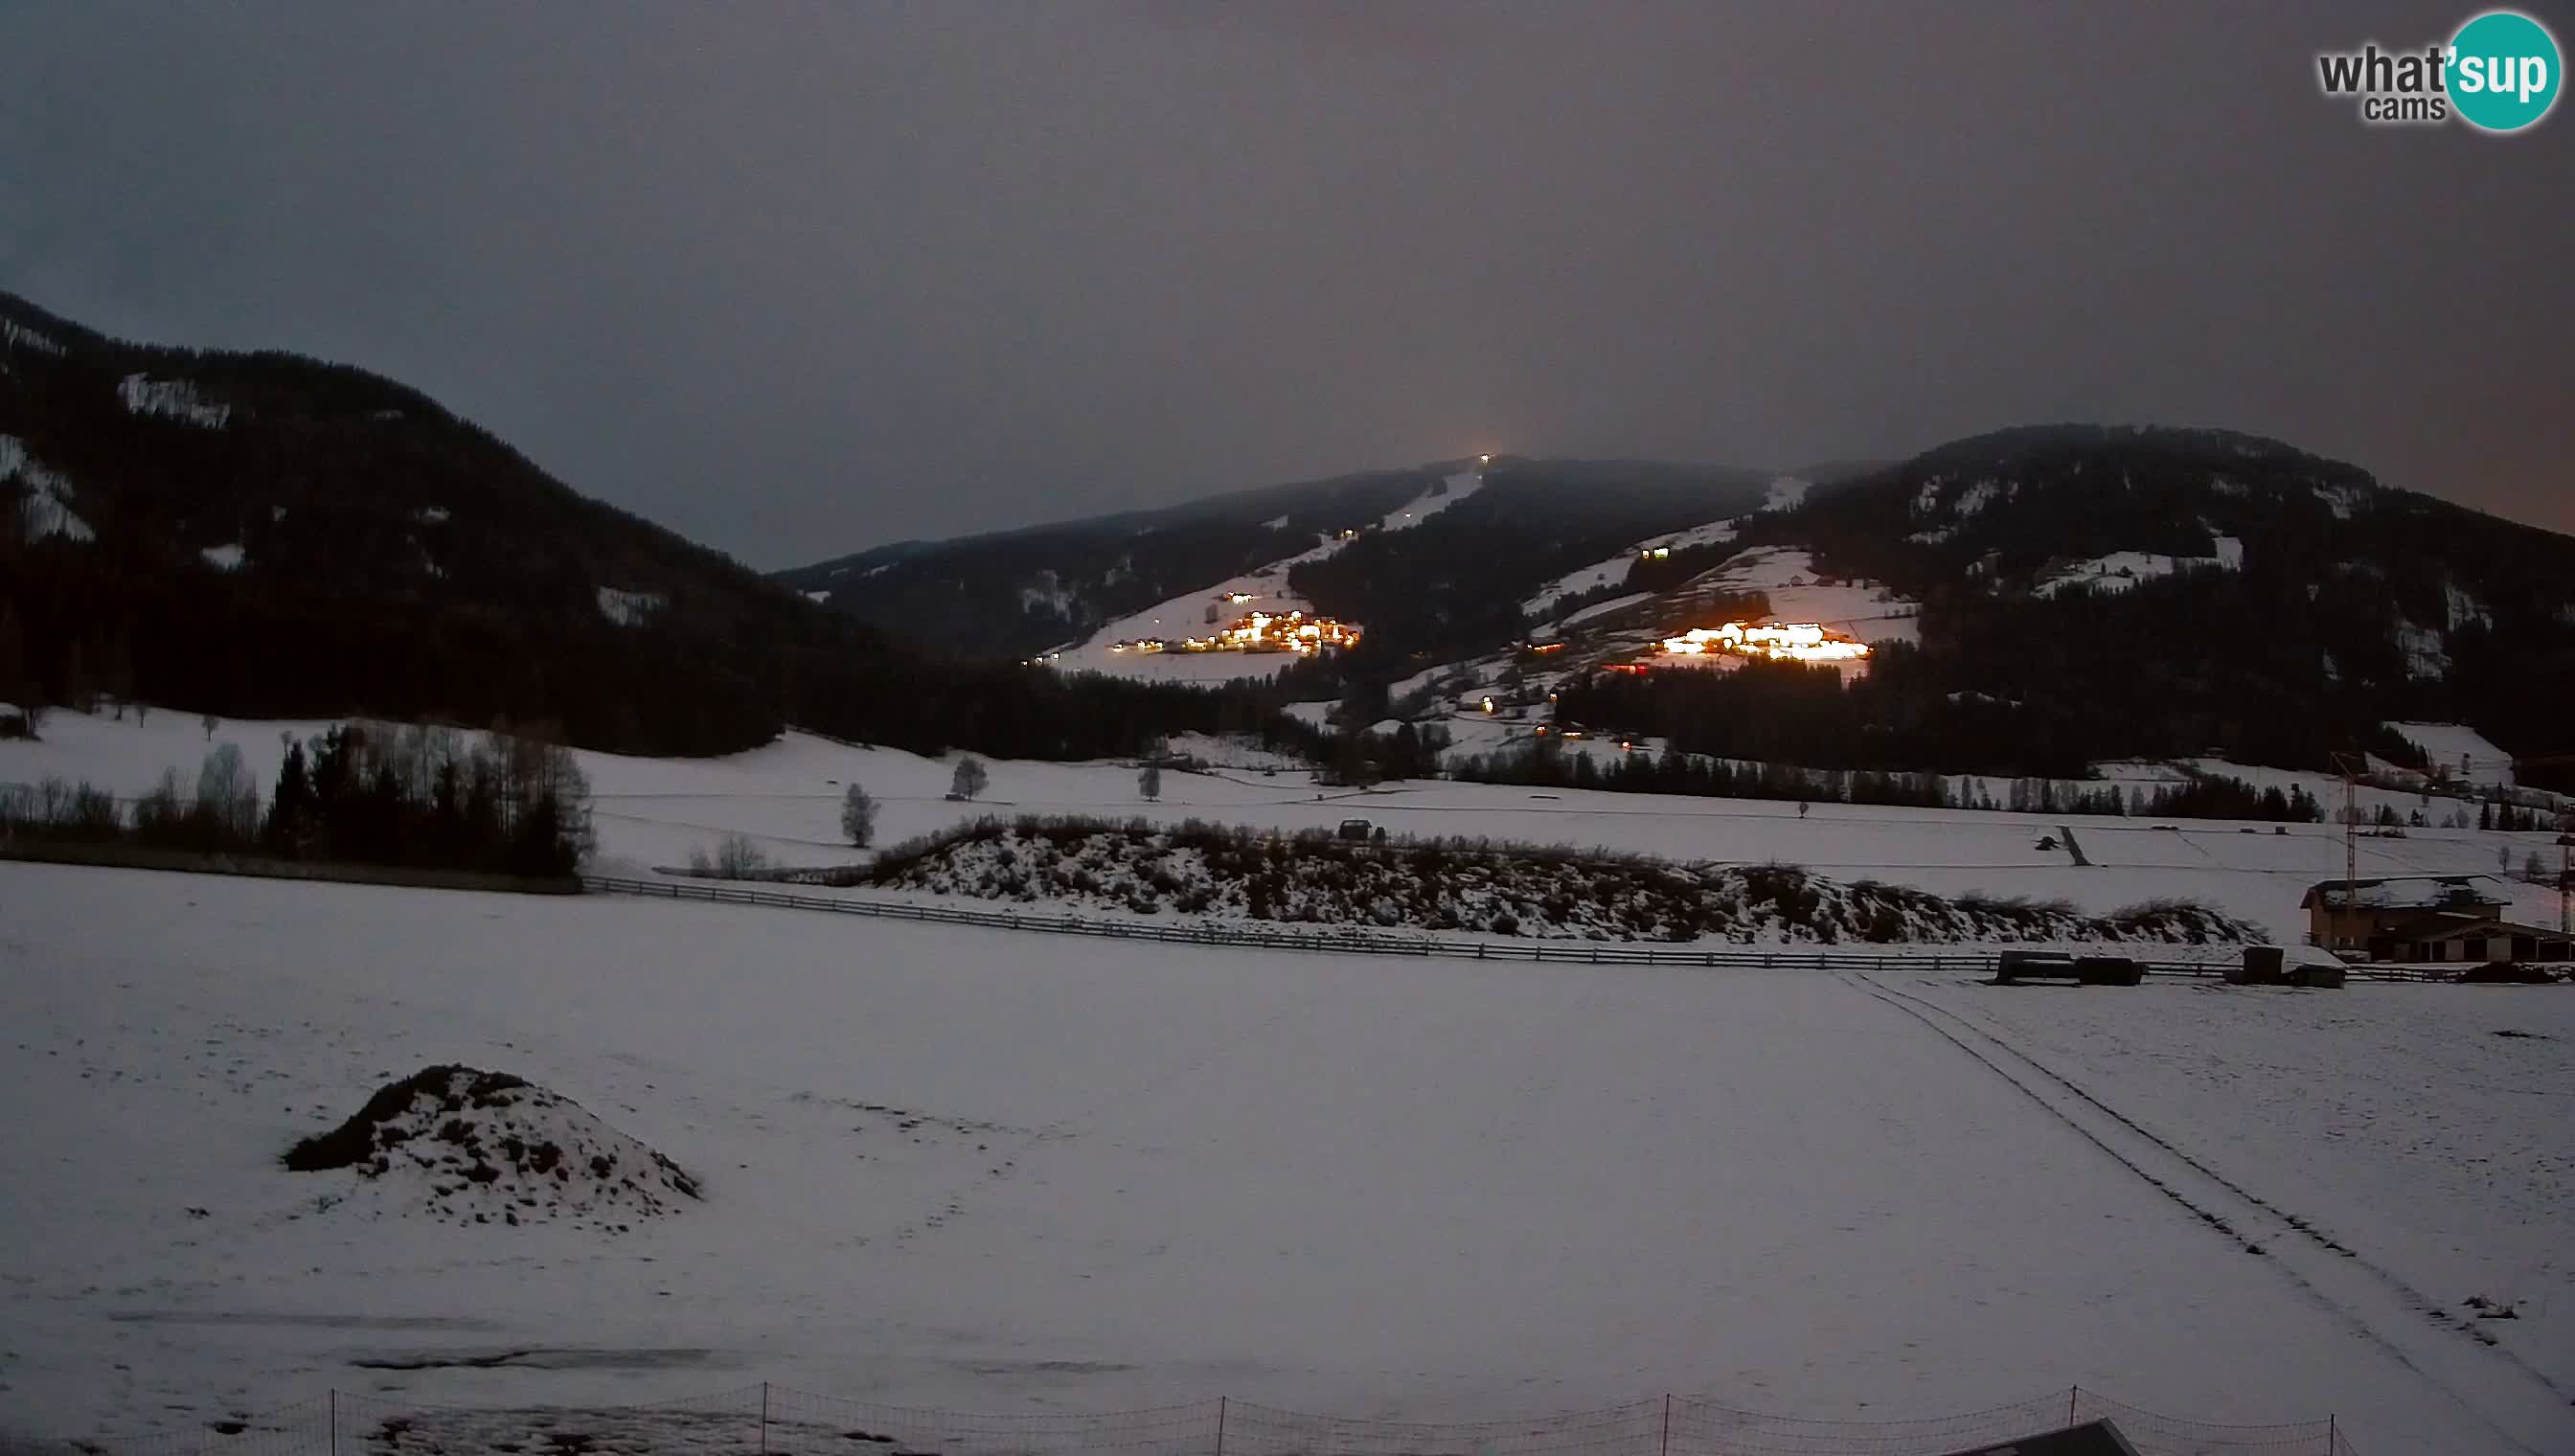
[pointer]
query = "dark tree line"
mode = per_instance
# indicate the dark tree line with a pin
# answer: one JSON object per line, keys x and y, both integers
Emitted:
{"x": 416, "y": 797}
{"x": 1673, "y": 772}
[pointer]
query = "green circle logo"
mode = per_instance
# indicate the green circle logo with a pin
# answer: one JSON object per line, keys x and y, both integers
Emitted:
{"x": 2503, "y": 71}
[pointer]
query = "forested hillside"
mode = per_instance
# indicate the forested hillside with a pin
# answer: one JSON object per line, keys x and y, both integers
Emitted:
{"x": 2091, "y": 593}
{"x": 264, "y": 534}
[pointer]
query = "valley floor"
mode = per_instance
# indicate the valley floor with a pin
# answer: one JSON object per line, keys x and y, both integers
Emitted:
{"x": 787, "y": 797}
{"x": 969, "y": 1169}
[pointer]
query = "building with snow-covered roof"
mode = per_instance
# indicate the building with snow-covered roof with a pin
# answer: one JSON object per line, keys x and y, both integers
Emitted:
{"x": 2424, "y": 918}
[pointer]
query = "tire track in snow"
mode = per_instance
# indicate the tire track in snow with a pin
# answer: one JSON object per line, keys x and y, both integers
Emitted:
{"x": 2489, "y": 1384}
{"x": 2297, "y": 1225}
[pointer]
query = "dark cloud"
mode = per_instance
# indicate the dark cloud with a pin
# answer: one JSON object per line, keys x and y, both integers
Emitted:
{"x": 796, "y": 280}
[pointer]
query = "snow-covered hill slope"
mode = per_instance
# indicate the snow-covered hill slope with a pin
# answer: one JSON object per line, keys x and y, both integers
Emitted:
{"x": 1202, "y": 610}
{"x": 1799, "y": 592}
{"x": 1614, "y": 568}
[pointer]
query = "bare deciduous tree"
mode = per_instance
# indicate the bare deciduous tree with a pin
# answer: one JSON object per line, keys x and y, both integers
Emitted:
{"x": 858, "y": 816}
{"x": 226, "y": 789}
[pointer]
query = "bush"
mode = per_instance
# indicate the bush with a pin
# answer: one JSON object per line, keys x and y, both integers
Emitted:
{"x": 736, "y": 856}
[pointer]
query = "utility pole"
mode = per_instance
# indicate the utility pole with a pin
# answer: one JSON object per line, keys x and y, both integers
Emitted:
{"x": 2351, "y": 766}
{"x": 2565, "y": 884}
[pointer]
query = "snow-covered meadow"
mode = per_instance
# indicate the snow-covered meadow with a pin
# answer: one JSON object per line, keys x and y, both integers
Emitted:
{"x": 787, "y": 795}
{"x": 972, "y": 1169}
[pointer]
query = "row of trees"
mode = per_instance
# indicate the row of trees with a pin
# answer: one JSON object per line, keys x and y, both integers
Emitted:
{"x": 419, "y": 796}
{"x": 1547, "y": 765}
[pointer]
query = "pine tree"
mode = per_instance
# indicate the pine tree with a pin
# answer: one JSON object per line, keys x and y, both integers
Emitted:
{"x": 290, "y": 813}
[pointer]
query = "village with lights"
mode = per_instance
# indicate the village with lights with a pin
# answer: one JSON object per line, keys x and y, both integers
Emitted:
{"x": 1254, "y": 632}
{"x": 1799, "y": 642}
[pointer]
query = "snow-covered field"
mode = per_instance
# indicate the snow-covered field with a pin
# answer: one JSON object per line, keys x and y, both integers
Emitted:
{"x": 963, "y": 1169}
{"x": 787, "y": 795}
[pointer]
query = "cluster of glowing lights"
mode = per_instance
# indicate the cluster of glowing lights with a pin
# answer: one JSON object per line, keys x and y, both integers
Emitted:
{"x": 1257, "y": 631}
{"x": 1786, "y": 641}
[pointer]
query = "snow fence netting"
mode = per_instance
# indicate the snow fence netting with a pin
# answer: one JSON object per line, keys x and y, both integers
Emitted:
{"x": 756, "y": 1420}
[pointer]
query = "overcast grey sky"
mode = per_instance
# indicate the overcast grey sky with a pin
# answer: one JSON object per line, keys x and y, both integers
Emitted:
{"x": 796, "y": 280}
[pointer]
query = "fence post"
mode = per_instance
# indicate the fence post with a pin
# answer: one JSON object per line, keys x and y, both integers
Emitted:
{"x": 764, "y": 1416}
{"x": 1666, "y": 1448}
{"x": 335, "y": 1421}
{"x": 1220, "y": 1425}
{"x": 2073, "y": 1393}
{"x": 2333, "y": 1437}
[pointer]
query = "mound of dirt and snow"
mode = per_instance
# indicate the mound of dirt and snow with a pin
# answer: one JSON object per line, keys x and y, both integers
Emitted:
{"x": 464, "y": 1145}
{"x": 1238, "y": 873}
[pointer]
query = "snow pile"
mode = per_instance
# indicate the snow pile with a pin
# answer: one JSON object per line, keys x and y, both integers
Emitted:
{"x": 172, "y": 399}
{"x": 1316, "y": 878}
{"x": 818, "y": 597}
{"x": 223, "y": 557}
{"x": 2123, "y": 570}
{"x": 48, "y": 506}
{"x": 628, "y": 609}
{"x": 466, "y": 1146}
{"x": 431, "y": 514}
